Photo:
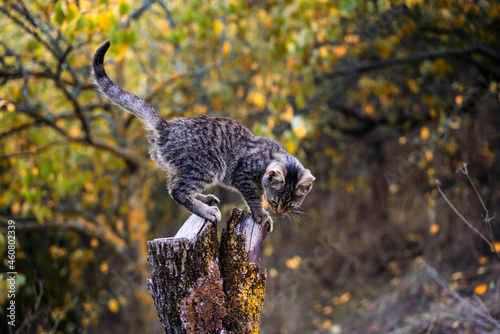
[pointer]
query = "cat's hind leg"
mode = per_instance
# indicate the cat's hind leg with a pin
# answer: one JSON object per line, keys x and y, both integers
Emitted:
{"x": 195, "y": 202}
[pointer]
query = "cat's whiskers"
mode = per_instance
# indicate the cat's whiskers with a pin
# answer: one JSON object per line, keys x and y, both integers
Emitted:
{"x": 298, "y": 215}
{"x": 301, "y": 211}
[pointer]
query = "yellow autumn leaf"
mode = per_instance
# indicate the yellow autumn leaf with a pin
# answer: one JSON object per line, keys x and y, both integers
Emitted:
{"x": 459, "y": 99}
{"x": 119, "y": 226}
{"x": 89, "y": 186}
{"x": 122, "y": 50}
{"x": 425, "y": 133}
{"x": 496, "y": 247}
{"x": 413, "y": 86}
{"x": 339, "y": 51}
{"x": 113, "y": 305}
{"x": 300, "y": 131}
{"x": 73, "y": 11}
{"x": 104, "y": 20}
{"x": 264, "y": 17}
{"x": 294, "y": 262}
{"x": 104, "y": 267}
{"x": 85, "y": 5}
{"x": 94, "y": 243}
{"x": 412, "y": 3}
{"x": 257, "y": 98}
{"x": 15, "y": 207}
{"x": 342, "y": 299}
{"x": 431, "y": 172}
{"x": 434, "y": 229}
{"x": 370, "y": 110}
{"x": 428, "y": 156}
{"x": 351, "y": 38}
{"x": 11, "y": 107}
{"x": 226, "y": 49}
{"x": 481, "y": 289}
{"x": 288, "y": 114}
{"x": 440, "y": 66}
{"x": 334, "y": 11}
{"x": 323, "y": 51}
{"x": 87, "y": 306}
{"x": 218, "y": 27}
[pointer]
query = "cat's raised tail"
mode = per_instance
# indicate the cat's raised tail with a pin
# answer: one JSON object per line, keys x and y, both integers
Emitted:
{"x": 127, "y": 101}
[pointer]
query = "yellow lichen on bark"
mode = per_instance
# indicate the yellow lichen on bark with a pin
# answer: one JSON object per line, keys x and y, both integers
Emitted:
{"x": 244, "y": 282}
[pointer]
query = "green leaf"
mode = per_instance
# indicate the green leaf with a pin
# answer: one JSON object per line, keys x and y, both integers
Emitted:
{"x": 227, "y": 94}
{"x": 124, "y": 7}
{"x": 72, "y": 12}
{"x": 33, "y": 46}
{"x": 127, "y": 36}
{"x": 59, "y": 15}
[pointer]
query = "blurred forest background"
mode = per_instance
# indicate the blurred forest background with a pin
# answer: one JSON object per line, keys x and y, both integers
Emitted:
{"x": 378, "y": 98}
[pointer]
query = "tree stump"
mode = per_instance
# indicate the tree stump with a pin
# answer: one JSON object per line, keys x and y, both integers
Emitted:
{"x": 199, "y": 287}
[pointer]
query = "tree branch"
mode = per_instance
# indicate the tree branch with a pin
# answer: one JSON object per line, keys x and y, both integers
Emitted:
{"x": 379, "y": 64}
{"x": 102, "y": 233}
{"x": 136, "y": 14}
{"x": 32, "y": 111}
{"x": 27, "y": 29}
{"x": 17, "y": 129}
{"x": 36, "y": 151}
{"x": 192, "y": 74}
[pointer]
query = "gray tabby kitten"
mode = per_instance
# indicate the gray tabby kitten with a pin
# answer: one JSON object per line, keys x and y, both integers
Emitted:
{"x": 196, "y": 152}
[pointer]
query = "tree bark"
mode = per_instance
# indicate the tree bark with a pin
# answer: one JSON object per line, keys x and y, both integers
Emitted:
{"x": 199, "y": 287}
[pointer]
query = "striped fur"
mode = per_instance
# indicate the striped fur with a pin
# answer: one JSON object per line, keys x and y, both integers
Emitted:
{"x": 196, "y": 152}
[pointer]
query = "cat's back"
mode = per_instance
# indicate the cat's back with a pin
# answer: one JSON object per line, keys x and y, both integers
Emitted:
{"x": 204, "y": 135}
{"x": 207, "y": 130}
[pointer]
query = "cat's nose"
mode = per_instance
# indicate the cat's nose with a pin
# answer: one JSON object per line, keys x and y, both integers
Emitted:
{"x": 280, "y": 210}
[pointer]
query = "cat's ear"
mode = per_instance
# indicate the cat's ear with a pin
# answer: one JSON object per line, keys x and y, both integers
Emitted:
{"x": 305, "y": 182}
{"x": 275, "y": 175}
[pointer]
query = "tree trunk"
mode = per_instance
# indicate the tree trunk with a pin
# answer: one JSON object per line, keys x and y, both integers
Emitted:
{"x": 199, "y": 287}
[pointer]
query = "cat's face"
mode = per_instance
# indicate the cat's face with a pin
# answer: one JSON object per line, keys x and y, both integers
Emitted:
{"x": 285, "y": 189}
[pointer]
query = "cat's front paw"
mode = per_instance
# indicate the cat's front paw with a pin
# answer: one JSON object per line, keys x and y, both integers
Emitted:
{"x": 270, "y": 225}
{"x": 209, "y": 200}
{"x": 212, "y": 200}
{"x": 212, "y": 213}
{"x": 263, "y": 217}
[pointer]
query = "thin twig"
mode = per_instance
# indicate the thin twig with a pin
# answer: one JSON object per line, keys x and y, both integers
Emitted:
{"x": 136, "y": 14}
{"x": 487, "y": 219}
{"x": 192, "y": 74}
{"x": 435, "y": 275}
{"x": 460, "y": 215}
{"x": 169, "y": 17}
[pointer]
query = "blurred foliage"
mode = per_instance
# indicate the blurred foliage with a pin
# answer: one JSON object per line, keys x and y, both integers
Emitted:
{"x": 378, "y": 98}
